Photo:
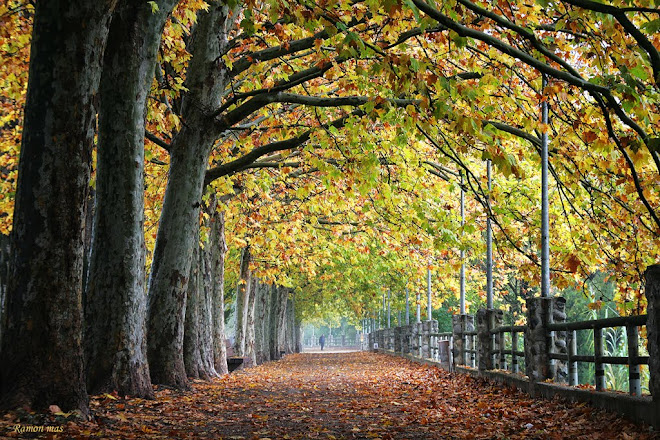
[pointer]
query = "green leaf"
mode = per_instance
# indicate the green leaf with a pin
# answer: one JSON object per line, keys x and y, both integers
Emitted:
{"x": 154, "y": 7}
{"x": 413, "y": 8}
{"x": 652, "y": 27}
{"x": 654, "y": 144}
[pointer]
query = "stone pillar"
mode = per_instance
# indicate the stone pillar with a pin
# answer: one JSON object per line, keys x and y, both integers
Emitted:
{"x": 420, "y": 339}
{"x": 414, "y": 339}
{"x": 398, "y": 336}
{"x": 405, "y": 339}
{"x": 457, "y": 330}
{"x": 468, "y": 326}
{"x": 652, "y": 276}
{"x": 540, "y": 342}
{"x": 460, "y": 325}
{"x": 424, "y": 332}
{"x": 427, "y": 329}
{"x": 430, "y": 342}
{"x": 488, "y": 344}
{"x": 559, "y": 339}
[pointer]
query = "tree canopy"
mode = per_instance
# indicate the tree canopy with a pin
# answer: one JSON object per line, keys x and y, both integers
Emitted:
{"x": 340, "y": 129}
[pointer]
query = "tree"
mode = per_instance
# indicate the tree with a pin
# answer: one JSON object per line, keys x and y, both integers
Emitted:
{"x": 116, "y": 302}
{"x": 168, "y": 279}
{"x": 244, "y": 290}
{"x": 42, "y": 353}
{"x": 218, "y": 250}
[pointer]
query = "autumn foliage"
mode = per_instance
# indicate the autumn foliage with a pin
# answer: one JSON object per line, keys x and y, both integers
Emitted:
{"x": 339, "y": 396}
{"x": 334, "y": 138}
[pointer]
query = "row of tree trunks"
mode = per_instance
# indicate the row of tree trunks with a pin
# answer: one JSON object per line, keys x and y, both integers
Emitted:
{"x": 41, "y": 358}
{"x": 268, "y": 329}
{"x": 51, "y": 292}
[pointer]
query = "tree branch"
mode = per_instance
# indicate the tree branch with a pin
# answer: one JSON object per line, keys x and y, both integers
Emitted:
{"x": 271, "y": 53}
{"x": 507, "y": 49}
{"x": 243, "y": 162}
{"x": 156, "y": 140}
{"x": 628, "y": 26}
{"x": 260, "y": 101}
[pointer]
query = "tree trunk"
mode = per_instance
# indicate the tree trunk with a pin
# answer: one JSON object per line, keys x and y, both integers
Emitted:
{"x": 4, "y": 272}
{"x": 242, "y": 302}
{"x": 250, "y": 349}
{"x": 191, "y": 356}
{"x": 116, "y": 301}
{"x": 41, "y": 359}
{"x": 277, "y": 321}
{"x": 299, "y": 337}
{"x": 262, "y": 324}
{"x": 218, "y": 247}
{"x": 87, "y": 242}
{"x": 204, "y": 311}
{"x": 197, "y": 343}
{"x": 297, "y": 331}
{"x": 175, "y": 241}
{"x": 289, "y": 332}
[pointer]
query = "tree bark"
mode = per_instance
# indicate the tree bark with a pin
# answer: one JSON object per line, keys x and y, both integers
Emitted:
{"x": 41, "y": 359}
{"x": 191, "y": 353}
{"x": 297, "y": 330}
{"x": 262, "y": 324}
{"x": 289, "y": 332}
{"x": 250, "y": 332}
{"x": 116, "y": 301}
{"x": 242, "y": 302}
{"x": 277, "y": 321}
{"x": 4, "y": 272}
{"x": 218, "y": 247}
{"x": 204, "y": 311}
{"x": 190, "y": 149}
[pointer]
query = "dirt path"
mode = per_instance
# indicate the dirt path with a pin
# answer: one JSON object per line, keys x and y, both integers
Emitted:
{"x": 343, "y": 396}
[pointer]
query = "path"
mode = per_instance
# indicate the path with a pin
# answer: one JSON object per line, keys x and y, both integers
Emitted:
{"x": 346, "y": 396}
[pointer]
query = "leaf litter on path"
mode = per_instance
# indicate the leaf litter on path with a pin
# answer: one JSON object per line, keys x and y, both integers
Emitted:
{"x": 357, "y": 395}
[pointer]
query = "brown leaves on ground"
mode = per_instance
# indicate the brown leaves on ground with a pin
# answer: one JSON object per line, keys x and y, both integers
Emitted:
{"x": 342, "y": 396}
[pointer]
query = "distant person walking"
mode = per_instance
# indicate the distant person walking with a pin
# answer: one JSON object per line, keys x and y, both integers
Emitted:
{"x": 322, "y": 341}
